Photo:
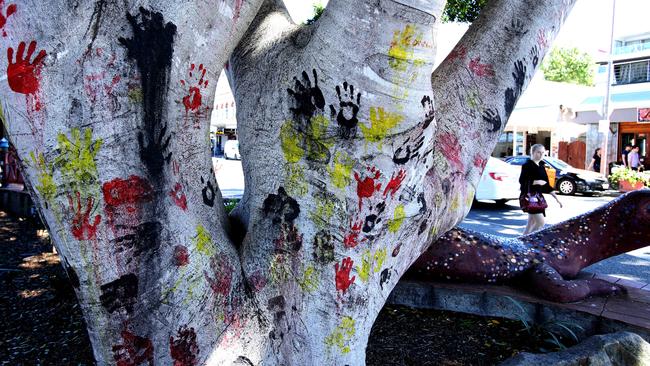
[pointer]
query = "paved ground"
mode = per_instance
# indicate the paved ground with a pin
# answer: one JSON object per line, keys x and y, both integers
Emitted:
{"x": 489, "y": 218}
{"x": 510, "y": 221}
{"x": 229, "y": 176}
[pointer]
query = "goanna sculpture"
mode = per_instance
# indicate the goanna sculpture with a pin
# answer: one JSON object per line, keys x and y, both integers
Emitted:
{"x": 547, "y": 261}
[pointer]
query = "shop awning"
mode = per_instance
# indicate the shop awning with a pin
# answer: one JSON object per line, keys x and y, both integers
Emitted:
{"x": 623, "y": 107}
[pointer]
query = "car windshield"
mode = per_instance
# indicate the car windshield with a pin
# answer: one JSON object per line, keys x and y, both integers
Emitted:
{"x": 557, "y": 163}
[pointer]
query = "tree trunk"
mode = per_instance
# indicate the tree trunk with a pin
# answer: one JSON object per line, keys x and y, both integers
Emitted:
{"x": 355, "y": 157}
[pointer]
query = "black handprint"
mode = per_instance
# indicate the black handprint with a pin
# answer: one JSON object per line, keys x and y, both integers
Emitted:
{"x": 374, "y": 218}
{"x": 412, "y": 151}
{"x": 308, "y": 99}
{"x": 208, "y": 190}
{"x": 384, "y": 277}
{"x": 520, "y": 76}
{"x": 152, "y": 47}
{"x": 120, "y": 294}
{"x": 429, "y": 112}
{"x": 153, "y": 149}
{"x": 348, "y": 110}
{"x": 281, "y": 207}
{"x": 516, "y": 27}
{"x": 510, "y": 101}
{"x": 492, "y": 118}
{"x": 534, "y": 53}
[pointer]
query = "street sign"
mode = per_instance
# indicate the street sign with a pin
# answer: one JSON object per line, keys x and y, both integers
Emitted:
{"x": 643, "y": 115}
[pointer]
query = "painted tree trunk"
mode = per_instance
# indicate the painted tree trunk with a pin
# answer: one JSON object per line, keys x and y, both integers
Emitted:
{"x": 356, "y": 156}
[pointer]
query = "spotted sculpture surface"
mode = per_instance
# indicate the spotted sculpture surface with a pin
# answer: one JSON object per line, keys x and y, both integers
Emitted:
{"x": 547, "y": 261}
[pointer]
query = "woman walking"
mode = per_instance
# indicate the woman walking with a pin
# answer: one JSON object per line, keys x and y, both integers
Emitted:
{"x": 534, "y": 182}
{"x": 595, "y": 161}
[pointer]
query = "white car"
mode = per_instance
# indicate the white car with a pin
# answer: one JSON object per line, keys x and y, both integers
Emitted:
{"x": 499, "y": 182}
{"x": 231, "y": 150}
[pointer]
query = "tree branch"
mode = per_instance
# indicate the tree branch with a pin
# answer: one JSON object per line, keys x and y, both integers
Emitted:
{"x": 479, "y": 83}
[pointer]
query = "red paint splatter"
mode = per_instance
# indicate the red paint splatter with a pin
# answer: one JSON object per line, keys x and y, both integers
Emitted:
{"x": 451, "y": 150}
{"x": 11, "y": 9}
{"x": 193, "y": 100}
{"x": 457, "y": 53}
{"x": 480, "y": 69}
{"x": 221, "y": 283}
{"x": 343, "y": 280}
{"x": 181, "y": 256}
{"x": 81, "y": 227}
{"x": 23, "y": 76}
{"x": 366, "y": 188}
{"x": 184, "y": 349}
{"x": 479, "y": 161}
{"x": 352, "y": 239}
{"x": 178, "y": 196}
{"x": 395, "y": 183}
{"x": 134, "y": 350}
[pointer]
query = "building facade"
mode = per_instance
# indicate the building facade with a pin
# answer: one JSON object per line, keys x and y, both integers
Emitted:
{"x": 629, "y": 102}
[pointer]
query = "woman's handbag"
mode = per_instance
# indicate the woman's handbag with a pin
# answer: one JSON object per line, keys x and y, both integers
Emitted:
{"x": 532, "y": 202}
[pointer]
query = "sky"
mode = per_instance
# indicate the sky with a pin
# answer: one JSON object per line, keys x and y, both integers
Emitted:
{"x": 587, "y": 27}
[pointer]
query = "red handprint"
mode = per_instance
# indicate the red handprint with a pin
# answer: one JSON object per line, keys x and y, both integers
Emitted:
{"x": 366, "y": 188}
{"x": 133, "y": 351}
{"x": 11, "y": 9}
{"x": 193, "y": 100}
{"x": 23, "y": 77}
{"x": 352, "y": 239}
{"x": 81, "y": 227}
{"x": 480, "y": 69}
{"x": 343, "y": 280}
{"x": 395, "y": 183}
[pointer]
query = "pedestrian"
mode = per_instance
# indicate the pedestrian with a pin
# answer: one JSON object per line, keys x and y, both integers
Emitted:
{"x": 595, "y": 161}
{"x": 626, "y": 151}
{"x": 534, "y": 181}
{"x": 633, "y": 161}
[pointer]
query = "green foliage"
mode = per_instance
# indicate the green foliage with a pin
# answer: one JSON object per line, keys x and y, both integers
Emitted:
{"x": 629, "y": 175}
{"x": 318, "y": 11}
{"x": 556, "y": 334}
{"x": 465, "y": 11}
{"x": 230, "y": 204}
{"x": 569, "y": 65}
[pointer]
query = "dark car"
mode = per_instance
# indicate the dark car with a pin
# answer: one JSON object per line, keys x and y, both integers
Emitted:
{"x": 567, "y": 179}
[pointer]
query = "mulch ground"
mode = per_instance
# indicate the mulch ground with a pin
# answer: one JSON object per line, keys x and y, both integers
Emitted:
{"x": 43, "y": 324}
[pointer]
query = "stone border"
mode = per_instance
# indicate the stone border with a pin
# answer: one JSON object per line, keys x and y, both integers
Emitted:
{"x": 595, "y": 315}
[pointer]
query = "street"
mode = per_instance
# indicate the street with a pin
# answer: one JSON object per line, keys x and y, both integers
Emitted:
{"x": 490, "y": 218}
{"x": 229, "y": 176}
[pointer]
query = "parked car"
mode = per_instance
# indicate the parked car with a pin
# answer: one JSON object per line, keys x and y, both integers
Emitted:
{"x": 231, "y": 150}
{"x": 568, "y": 180}
{"x": 499, "y": 182}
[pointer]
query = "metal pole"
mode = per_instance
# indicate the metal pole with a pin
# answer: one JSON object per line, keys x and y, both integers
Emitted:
{"x": 604, "y": 161}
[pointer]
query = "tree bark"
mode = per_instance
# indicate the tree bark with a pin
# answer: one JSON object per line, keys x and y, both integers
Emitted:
{"x": 108, "y": 104}
{"x": 355, "y": 156}
{"x": 377, "y": 155}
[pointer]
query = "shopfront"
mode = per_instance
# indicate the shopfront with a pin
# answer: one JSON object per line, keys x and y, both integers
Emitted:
{"x": 635, "y": 134}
